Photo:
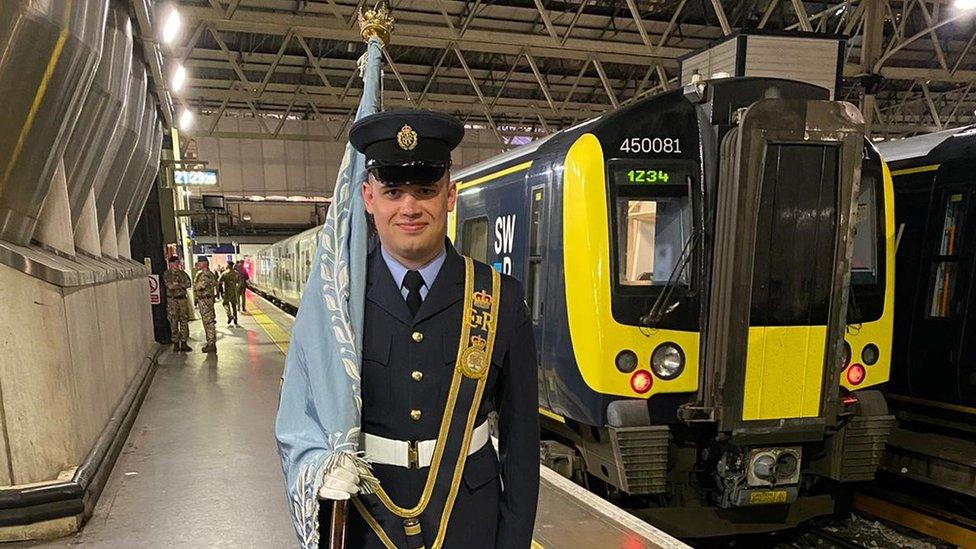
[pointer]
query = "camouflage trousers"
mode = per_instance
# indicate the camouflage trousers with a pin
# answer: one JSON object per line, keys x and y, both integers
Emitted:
{"x": 209, "y": 319}
{"x": 230, "y": 306}
{"x": 178, "y": 314}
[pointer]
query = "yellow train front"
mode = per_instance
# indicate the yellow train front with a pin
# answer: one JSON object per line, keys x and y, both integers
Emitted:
{"x": 710, "y": 277}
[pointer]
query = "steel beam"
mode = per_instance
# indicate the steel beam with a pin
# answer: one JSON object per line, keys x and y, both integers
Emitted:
{"x": 474, "y": 40}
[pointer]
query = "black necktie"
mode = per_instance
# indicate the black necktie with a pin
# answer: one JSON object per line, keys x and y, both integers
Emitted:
{"x": 413, "y": 281}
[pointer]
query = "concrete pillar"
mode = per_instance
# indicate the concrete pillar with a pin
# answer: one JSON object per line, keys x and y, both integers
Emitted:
{"x": 54, "y": 222}
{"x": 109, "y": 238}
{"x": 86, "y": 231}
{"x": 123, "y": 240}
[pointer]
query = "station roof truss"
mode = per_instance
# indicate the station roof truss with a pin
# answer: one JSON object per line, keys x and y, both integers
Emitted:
{"x": 525, "y": 68}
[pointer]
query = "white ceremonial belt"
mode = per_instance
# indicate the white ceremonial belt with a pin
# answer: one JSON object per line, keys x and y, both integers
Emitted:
{"x": 413, "y": 454}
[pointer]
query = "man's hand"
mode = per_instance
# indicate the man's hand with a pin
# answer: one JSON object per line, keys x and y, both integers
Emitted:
{"x": 342, "y": 482}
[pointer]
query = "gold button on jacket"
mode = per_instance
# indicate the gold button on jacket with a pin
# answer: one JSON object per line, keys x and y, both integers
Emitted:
{"x": 417, "y": 375}
{"x": 418, "y": 337}
{"x": 415, "y": 415}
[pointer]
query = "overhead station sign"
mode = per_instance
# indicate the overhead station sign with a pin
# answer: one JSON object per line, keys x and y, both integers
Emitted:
{"x": 195, "y": 178}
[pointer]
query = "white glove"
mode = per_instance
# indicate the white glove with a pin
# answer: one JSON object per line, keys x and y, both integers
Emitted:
{"x": 342, "y": 482}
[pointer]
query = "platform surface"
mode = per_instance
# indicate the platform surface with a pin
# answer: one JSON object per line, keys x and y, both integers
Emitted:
{"x": 200, "y": 468}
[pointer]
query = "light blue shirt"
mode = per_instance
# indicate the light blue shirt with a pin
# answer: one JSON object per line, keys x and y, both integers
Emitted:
{"x": 428, "y": 272}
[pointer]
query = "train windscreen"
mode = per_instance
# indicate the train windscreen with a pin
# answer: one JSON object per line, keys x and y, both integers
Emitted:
{"x": 652, "y": 221}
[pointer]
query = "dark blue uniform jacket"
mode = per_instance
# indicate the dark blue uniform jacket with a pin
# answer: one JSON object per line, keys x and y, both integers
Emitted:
{"x": 496, "y": 503}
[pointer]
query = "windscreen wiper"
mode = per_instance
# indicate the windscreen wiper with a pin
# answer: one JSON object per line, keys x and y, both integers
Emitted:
{"x": 662, "y": 305}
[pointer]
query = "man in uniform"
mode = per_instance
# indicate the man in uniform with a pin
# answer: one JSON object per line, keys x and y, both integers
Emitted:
{"x": 177, "y": 282}
{"x": 205, "y": 293}
{"x": 416, "y": 309}
{"x": 229, "y": 289}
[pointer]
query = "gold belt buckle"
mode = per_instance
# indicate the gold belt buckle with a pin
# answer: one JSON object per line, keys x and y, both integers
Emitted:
{"x": 413, "y": 455}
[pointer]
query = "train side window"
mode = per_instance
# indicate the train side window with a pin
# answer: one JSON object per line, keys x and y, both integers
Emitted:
{"x": 942, "y": 289}
{"x": 864, "y": 259}
{"x": 533, "y": 291}
{"x": 474, "y": 238}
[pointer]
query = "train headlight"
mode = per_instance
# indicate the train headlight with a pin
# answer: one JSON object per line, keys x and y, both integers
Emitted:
{"x": 870, "y": 354}
{"x": 626, "y": 361}
{"x": 667, "y": 361}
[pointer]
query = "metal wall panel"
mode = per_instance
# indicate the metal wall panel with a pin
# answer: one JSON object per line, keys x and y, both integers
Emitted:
{"x": 806, "y": 60}
{"x": 720, "y": 58}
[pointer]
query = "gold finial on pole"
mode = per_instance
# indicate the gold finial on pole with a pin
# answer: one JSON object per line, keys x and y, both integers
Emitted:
{"x": 376, "y": 22}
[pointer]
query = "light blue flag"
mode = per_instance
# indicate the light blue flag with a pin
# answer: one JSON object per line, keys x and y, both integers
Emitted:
{"x": 319, "y": 412}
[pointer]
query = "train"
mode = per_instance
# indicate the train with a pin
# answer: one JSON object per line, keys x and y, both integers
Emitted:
{"x": 933, "y": 376}
{"x": 935, "y": 348}
{"x": 710, "y": 277}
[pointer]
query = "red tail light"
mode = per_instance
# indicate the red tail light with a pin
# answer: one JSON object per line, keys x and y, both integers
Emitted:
{"x": 641, "y": 381}
{"x": 855, "y": 374}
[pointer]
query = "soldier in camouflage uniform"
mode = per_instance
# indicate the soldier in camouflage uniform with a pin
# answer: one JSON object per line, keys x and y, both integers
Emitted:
{"x": 230, "y": 288}
{"x": 205, "y": 293}
{"x": 177, "y": 282}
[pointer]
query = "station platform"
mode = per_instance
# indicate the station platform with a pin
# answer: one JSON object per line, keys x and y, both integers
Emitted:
{"x": 200, "y": 467}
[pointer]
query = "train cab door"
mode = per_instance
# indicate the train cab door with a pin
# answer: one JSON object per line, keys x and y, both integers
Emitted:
{"x": 939, "y": 349}
{"x": 535, "y": 278}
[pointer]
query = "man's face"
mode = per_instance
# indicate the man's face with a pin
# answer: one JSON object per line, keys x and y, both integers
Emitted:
{"x": 202, "y": 265}
{"x": 174, "y": 265}
{"x": 411, "y": 220}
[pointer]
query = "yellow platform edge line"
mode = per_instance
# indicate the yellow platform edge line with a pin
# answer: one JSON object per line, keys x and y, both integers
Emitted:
{"x": 276, "y": 334}
{"x": 269, "y": 326}
{"x": 928, "y": 525}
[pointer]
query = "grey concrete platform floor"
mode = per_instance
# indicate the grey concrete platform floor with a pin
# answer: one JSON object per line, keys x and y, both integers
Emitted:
{"x": 200, "y": 469}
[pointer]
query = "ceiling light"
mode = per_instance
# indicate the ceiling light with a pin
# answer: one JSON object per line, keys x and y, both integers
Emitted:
{"x": 172, "y": 26}
{"x": 186, "y": 119}
{"x": 179, "y": 77}
{"x": 965, "y": 4}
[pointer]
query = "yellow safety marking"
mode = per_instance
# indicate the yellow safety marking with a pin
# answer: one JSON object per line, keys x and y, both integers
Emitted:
{"x": 278, "y": 336}
{"x": 768, "y": 497}
{"x": 552, "y": 415}
{"x": 931, "y": 526}
{"x": 537, "y": 545}
{"x": 918, "y": 169}
{"x": 784, "y": 372}
{"x": 517, "y": 168}
{"x": 38, "y": 95}
{"x": 944, "y": 406}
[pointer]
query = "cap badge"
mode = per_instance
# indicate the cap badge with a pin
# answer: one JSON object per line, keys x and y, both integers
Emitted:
{"x": 407, "y": 138}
